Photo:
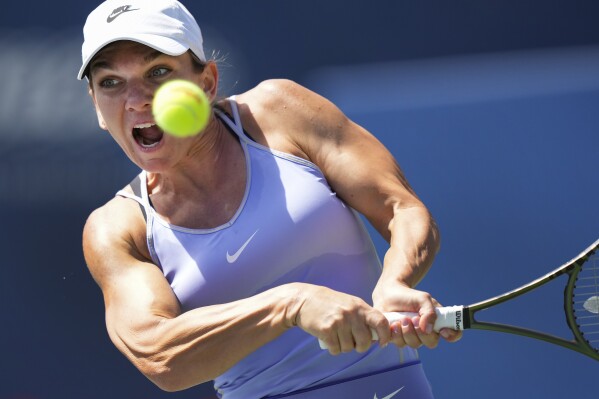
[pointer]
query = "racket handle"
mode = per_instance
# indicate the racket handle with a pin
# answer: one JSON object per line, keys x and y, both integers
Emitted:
{"x": 447, "y": 317}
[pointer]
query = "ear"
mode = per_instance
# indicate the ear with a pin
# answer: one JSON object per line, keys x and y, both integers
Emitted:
{"x": 101, "y": 122}
{"x": 210, "y": 80}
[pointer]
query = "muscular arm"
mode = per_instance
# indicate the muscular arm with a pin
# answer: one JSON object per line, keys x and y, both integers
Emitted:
{"x": 173, "y": 349}
{"x": 366, "y": 176}
{"x": 360, "y": 170}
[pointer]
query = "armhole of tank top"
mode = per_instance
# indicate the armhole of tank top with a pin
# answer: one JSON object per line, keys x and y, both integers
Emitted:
{"x": 237, "y": 128}
{"x": 140, "y": 195}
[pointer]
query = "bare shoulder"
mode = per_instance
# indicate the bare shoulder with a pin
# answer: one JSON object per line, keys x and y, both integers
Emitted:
{"x": 111, "y": 233}
{"x": 278, "y": 89}
{"x": 287, "y": 97}
{"x": 286, "y": 114}
{"x": 113, "y": 218}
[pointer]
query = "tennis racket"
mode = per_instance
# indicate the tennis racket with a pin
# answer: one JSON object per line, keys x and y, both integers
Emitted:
{"x": 581, "y": 306}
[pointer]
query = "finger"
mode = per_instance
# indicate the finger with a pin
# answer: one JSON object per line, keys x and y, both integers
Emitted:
{"x": 428, "y": 316}
{"x": 382, "y": 328}
{"x": 362, "y": 337}
{"x": 396, "y": 335}
{"x": 347, "y": 343}
{"x": 346, "y": 340}
{"x": 450, "y": 335}
{"x": 331, "y": 344}
{"x": 409, "y": 334}
{"x": 430, "y": 340}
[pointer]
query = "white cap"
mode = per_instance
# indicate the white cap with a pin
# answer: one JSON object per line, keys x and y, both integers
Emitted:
{"x": 164, "y": 25}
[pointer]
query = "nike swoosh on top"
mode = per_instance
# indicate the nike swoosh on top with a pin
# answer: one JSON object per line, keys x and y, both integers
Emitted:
{"x": 119, "y": 11}
{"x": 233, "y": 258}
{"x": 391, "y": 394}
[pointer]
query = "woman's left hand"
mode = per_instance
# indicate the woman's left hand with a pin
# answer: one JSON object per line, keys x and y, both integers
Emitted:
{"x": 415, "y": 331}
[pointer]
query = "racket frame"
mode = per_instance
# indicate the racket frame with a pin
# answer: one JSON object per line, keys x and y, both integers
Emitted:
{"x": 571, "y": 268}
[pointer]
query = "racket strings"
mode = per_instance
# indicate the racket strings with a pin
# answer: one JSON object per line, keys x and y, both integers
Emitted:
{"x": 586, "y": 301}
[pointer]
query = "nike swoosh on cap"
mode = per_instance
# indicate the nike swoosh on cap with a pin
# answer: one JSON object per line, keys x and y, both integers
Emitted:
{"x": 233, "y": 258}
{"x": 119, "y": 11}
{"x": 391, "y": 394}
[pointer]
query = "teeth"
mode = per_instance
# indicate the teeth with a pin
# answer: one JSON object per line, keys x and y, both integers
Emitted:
{"x": 150, "y": 145}
{"x": 144, "y": 125}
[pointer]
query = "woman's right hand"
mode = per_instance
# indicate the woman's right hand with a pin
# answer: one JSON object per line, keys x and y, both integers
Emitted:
{"x": 343, "y": 322}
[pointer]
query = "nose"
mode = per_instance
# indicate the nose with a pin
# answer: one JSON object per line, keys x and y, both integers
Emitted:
{"x": 139, "y": 96}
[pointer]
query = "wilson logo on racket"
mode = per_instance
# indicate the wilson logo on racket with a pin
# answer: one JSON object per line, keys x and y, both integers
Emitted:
{"x": 458, "y": 320}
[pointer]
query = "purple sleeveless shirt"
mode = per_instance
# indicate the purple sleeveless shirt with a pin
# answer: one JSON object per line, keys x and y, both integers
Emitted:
{"x": 290, "y": 227}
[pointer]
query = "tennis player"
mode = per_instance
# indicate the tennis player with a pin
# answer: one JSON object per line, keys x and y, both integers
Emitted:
{"x": 235, "y": 250}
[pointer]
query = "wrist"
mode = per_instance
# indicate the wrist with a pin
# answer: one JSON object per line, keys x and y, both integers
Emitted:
{"x": 386, "y": 292}
{"x": 404, "y": 267}
{"x": 292, "y": 299}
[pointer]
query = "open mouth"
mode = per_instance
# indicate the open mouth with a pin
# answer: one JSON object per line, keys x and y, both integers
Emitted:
{"x": 147, "y": 135}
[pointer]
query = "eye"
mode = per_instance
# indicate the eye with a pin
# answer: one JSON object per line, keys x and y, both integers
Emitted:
{"x": 158, "y": 72}
{"x": 108, "y": 83}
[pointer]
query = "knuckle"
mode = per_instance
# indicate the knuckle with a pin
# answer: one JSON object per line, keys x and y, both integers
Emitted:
{"x": 334, "y": 351}
{"x": 415, "y": 343}
{"x": 347, "y": 347}
{"x": 430, "y": 343}
{"x": 362, "y": 348}
{"x": 328, "y": 329}
{"x": 381, "y": 322}
{"x": 333, "y": 322}
{"x": 424, "y": 297}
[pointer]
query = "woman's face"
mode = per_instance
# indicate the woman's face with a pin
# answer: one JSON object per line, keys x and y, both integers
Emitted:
{"x": 123, "y": 79}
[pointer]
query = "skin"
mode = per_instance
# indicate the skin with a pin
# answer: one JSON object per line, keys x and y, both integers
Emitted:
{"x": 199, "y": 182}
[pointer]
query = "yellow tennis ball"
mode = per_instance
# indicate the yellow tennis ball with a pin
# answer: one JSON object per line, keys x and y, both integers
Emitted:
{"x": 181, "y": 108}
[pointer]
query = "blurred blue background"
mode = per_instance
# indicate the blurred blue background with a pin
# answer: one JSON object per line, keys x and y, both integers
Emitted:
{"x": 491, "y": 108}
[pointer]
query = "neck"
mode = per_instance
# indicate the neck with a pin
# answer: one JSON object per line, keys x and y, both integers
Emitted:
{"x": 212, "y": 160}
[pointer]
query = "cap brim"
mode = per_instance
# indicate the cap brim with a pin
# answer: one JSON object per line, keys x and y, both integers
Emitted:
{"x": 163, "y": 44}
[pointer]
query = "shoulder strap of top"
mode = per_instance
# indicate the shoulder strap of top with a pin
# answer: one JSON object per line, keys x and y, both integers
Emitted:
{"x": 140, "y": 194}
{"x": 235, "y": 109}
{"x": 235, "y": 123}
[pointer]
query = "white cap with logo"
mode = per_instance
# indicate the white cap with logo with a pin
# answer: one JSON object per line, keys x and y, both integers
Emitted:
{"x": 164, "y": 25}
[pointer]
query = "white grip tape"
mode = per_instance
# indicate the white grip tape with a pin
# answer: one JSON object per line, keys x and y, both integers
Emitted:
{"x": 447, "y": 317}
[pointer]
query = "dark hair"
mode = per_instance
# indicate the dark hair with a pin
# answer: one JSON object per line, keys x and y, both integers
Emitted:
{"x": 198, "y": 65}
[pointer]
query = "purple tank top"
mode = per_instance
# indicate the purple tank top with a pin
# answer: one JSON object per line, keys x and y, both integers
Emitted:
{"x": 289, "y": 227}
